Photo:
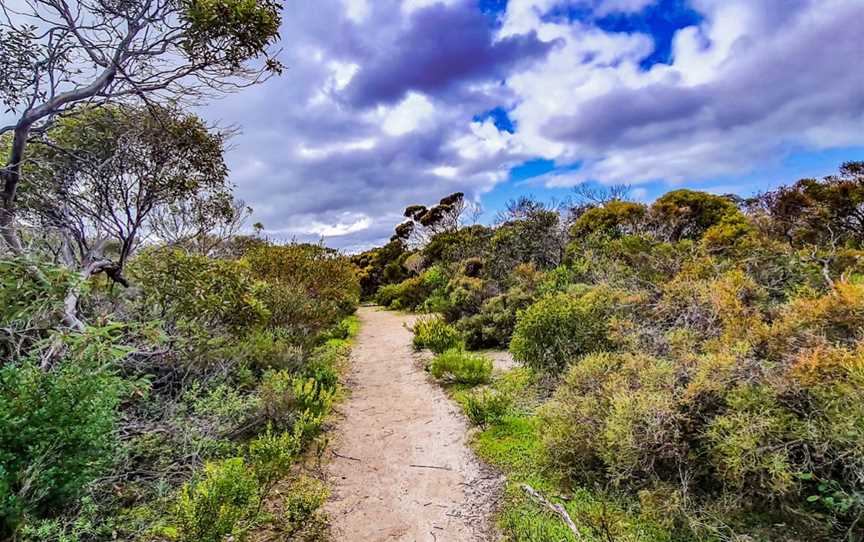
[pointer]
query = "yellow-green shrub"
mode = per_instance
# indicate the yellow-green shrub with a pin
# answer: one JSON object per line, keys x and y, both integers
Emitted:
{"x": 220, "y": 502}
{"x": 189, "y": 288}
{"x": 487, "y": 405}
{"x": 434, "y": 333}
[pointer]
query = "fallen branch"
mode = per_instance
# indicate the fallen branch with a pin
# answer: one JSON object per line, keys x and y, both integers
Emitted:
{"x": 429, "y": 467}
{"x": 337, "y": 454}
{"x": 557, "y": 509}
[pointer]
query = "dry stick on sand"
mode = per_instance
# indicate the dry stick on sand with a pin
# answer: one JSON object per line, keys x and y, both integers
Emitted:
{"x": 429, "y": 467}
{"x": 337, "y": 454}
{"x": 556, "y": 508}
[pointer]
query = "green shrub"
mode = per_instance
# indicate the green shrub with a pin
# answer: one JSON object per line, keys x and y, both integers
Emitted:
{"x": 688, "y": 214}
{"x": 414, "y": 293}
{"x": 614, "y": 415}
{"x": 487, "y": 405}
{"x": 29, "y": 309}
{"x": 614, "y": 218}
{"x": 188, "y": 288}
{"x": 57, "y": 426}
{"x": 435, "y": 334}
{"x": 224, "y": 406}
{"x": 558, "y": 329}
{"x": 222, "y": 501}
{"x": 456, "y": 365}
{"x": 320, "y": 273}
{"x": 493, "y": 326}
{"x": 300, "y": 514}
{"x": 278, "y": 402}
{"x": 465, "y": 295}
{"x": 272, "y": 454}
{"x": 263, "y": 350}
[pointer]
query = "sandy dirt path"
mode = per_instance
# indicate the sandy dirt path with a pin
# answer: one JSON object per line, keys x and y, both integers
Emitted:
{"x": 401, "y": 467}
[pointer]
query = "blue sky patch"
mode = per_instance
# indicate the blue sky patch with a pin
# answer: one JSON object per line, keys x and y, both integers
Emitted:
{"x": 499, "y": 117}
{"x": 659, "y": 20}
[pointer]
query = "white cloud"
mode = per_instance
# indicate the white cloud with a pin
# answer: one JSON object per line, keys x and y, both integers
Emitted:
{"x": 415, "y": 111}
{"x": 448, "y": 172}
{"x": 357, "y": 10}
{"x": 336, "y": 148}
{"x": 413, "y": 5}
{"x": 746, "y": 87}
{"x": 351, "y": 223}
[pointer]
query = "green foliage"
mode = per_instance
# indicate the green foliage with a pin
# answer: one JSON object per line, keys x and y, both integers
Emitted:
{"x": 193, "y": 289}
{"x": 556, "y": 330}
{"x": 300, "y": 514}
{"x": 57, "y": 426}
{"x": 309, "y": 288}
{"x": 487, "y": 405}
{"x": 267, "y": 349}
{"x": 272, "y": 454}
{"x": 639, "y": 421}
{"x": 514, "y": 443}
{"x": 465, "y": 296}
{"x": 454, "y": 246}
{"x": 687, "y": 214}
{"x": 381, "y": 266}
{"x": 814, "y": 212}
{"x": 229, "y": 31}
{"x": 408, "y": 294}
{"x": 29, "y": 303}
{"x": 533, "y": 238}
{"x": 493, "y": 326}
{"x": 434, "y": 333}
{"x": 614, "y": 219}
{"x": 457, "y": 366}
{"x": 220, "y": 502}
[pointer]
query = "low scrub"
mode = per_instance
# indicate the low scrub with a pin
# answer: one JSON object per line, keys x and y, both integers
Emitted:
{"x": 457, "y": 366}
{"x": 220, "y": 502}
{"x": 435, "y": 334}
{"x": 487, "y": 405}
{"x": 58, "y": 425}
{"x": 720, "y": 427}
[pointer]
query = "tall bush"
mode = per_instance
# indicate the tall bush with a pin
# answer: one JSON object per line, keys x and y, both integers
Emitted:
{"x": 556, "y": 330}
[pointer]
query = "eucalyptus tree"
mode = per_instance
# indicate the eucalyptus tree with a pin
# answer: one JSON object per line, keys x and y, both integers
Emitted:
{"x": 106, "y": 177}
{"x": 56, "y": 55}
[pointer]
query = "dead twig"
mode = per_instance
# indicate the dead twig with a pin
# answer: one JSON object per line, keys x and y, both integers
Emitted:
{"x": 429, "y": 467}
{"x": 557, "y": 509}
{"x": 337, "y": 454}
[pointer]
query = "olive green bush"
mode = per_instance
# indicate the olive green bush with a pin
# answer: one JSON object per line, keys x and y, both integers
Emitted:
{"x": 558, "y": 329}
{"x": 493, "y": 326}
{"x": 715, "y": 419}
{"x": 461, "y": 367}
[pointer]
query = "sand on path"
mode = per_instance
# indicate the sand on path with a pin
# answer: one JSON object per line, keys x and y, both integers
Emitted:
{"x": 401, "y": 467}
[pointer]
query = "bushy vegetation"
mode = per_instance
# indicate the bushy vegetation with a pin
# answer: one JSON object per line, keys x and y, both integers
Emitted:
{"x": 176, "y": 412}
{"x": 434, "y": 334}
{"x": 698, "y": 361}
{"x": 561, "y": 327}
{"x": 461, "y": 367}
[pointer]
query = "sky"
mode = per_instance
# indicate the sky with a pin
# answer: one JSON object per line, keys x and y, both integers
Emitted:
{"x": 387, "y": 103}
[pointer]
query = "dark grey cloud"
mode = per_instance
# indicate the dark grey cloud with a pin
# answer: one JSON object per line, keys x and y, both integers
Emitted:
{"x": 802, "y": 76}
{"x": 443, "y": 46}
